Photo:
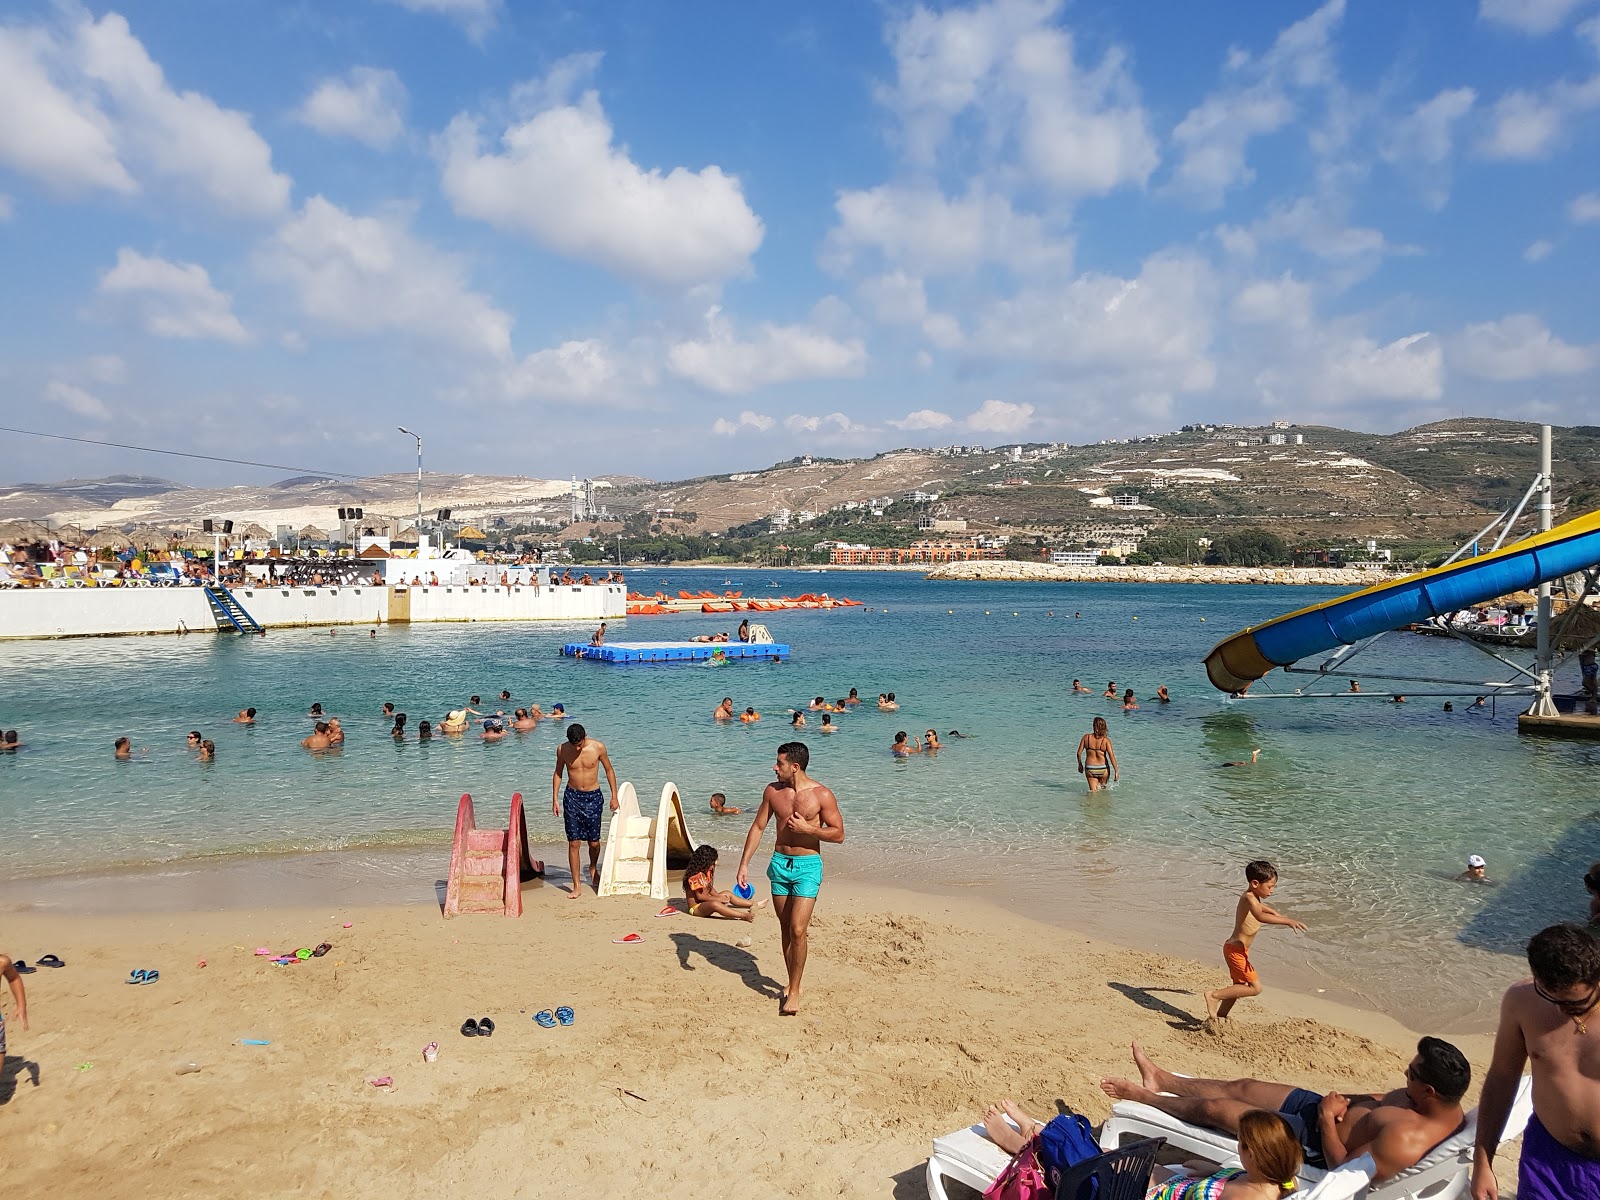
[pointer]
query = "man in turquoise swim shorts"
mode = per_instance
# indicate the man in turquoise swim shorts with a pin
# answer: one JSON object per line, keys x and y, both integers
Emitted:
{"x": 808, "y": 815}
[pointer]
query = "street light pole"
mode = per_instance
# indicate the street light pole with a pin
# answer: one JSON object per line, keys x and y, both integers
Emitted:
{"x": 418, "y": 436}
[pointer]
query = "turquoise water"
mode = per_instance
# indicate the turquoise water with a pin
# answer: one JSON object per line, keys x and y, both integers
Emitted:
{"x": 1367, "y": 807}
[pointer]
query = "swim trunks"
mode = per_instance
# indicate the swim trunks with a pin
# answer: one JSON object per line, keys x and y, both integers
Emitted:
{"x": 795, "y": 875}
{"x": 1302, "y": 1109}
{"x": 1550, "y": 1171}
{"x": 581, "y": 814}
{"x": 1238, "y": 960}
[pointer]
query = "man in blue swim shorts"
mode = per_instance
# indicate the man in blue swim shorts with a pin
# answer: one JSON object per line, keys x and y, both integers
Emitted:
{"x": 808, "y": 815}
{"x": 581, "y": 757}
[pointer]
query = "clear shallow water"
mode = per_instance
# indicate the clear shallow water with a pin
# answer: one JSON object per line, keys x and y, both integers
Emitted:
{"x": 1368, "y": 808}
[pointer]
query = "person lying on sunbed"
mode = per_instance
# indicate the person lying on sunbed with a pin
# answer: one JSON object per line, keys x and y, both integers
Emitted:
{"x": 1397, "y": 1128}
{"x": 699, "y": 885}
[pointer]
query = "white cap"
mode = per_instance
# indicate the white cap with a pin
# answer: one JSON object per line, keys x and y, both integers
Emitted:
{"x": 1476, "y": 860}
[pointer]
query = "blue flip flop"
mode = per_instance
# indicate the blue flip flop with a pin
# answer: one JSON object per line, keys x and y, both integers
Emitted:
{"x": 544, "y": 1019}
{"x": 565, "y": 1015}
{"x": 136, "y": 976}
{"x": 151, "y": 976}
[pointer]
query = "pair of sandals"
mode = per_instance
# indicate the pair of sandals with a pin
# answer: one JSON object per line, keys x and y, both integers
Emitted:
{"x": 141, "y": 976}
{"x": 482, "y": 1027}
{"x": 49, "y": 960}
{"x": 549, "y": 1020}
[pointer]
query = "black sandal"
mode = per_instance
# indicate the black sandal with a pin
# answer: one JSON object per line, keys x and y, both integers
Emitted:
{"x": 485, "y": 1027}
{"x": 49, "y": 960}
{"x": 469, "y": 1028}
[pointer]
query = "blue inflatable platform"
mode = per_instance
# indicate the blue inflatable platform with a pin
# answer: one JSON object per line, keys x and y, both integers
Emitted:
{"x": 655, "y": 652}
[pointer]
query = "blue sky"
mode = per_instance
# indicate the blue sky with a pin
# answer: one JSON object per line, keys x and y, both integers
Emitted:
{"x": 671, "y": 239}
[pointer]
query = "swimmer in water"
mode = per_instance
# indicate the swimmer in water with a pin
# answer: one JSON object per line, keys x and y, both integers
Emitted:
{"x": 1254, "y": 754}
{"x": 720, "y": 806}
{"x": 122, "y": 749}
{"x": 1128, "y": 701}
{"x": 208, "y": 751}
{"x": 1480, "y": 703}
{"x": 388, "y": 711}
{"x": 890, "y": 703}
{"x": 1161, "y": 695}
{"x": 523, "y": 721}
{"x": 1397, "y": 700}
{"x": 246, "y": 717}
{"x": 818, "y": 704}
{"x": 724, "y": 711}
{"x": 827, "y": 724}
{"x": 316, "y": 710}
{"x": 797, "y": 720}
{"x": 1355, "y": 686}
{"x": 853, "y": 698}
{"x": 1476, "y": 872}
{"x": 904, "y": 748}
{"x": 956, "y": 733}
{"x": 750, "y": 716}
{"x": 930, "y": 741}
{"x": 1080, "y": 690}
{"x": 1111, "y": 691}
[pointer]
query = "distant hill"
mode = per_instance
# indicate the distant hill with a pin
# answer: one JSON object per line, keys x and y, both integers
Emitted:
{"x": 1434, "y": 484}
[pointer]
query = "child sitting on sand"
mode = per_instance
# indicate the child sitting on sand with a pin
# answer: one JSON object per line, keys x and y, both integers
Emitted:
{"x": 1261, "y": 879}
{"x": 699, "y": 885}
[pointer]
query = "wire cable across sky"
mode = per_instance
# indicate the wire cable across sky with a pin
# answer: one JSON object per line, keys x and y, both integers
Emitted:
{"x": 243, "y": 462}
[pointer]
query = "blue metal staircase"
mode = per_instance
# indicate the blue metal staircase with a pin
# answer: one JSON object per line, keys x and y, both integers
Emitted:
{"x": 225, "y": 607}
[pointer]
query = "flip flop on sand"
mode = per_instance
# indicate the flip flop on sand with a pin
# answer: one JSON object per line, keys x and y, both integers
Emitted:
{"x": 485, "y": 1027}
{"x": 322, "y": 949}
{"x": 49, "y": 960}
{"x": 469, "y": 1027}
{"x": 545, "y": 1019}
{"x": 629, "y": 940}
{"x": 135, "y": 976}
{"x": 668, "y": 911}
{"x": 565, "y": 1015}
{"x": 23, "y": 968}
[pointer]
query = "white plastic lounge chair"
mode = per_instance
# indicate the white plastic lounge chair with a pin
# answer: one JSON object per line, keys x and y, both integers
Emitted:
{"x": 1444, "y": 1173}
{"x": 966, "y": 1155}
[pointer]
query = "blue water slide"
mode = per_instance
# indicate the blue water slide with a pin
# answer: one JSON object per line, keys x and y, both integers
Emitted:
{"x": 1238, "y": 661}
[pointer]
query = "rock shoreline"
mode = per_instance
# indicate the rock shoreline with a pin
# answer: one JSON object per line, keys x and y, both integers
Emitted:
{"x": 1011, "y": 571}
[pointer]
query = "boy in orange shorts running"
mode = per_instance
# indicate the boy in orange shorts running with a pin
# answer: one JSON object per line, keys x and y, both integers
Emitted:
{"x": 1251, "y": 914}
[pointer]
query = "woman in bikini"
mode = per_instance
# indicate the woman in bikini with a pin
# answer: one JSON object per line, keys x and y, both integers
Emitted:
{"x": 1097, "y": 761}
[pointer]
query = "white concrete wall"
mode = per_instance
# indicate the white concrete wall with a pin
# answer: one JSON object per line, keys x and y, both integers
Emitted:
{"x": 90, "y": 612}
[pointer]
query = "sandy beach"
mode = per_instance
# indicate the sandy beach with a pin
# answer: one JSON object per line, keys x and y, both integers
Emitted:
{"x": 677, "y": 1077}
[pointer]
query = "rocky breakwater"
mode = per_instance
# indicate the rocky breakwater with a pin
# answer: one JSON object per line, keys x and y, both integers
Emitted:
{"x": 1008, "y": 570}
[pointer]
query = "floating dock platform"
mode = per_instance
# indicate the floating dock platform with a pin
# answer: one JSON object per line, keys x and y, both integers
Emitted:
{"x": 1563, "y": 725}
{"x": 650, "y": 652}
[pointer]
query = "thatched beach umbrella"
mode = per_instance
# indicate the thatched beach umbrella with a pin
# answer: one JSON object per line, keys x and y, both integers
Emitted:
{"x": 110, "y": 539}
{"x": 312, "y": 534}
{"x": 253, "y": 530}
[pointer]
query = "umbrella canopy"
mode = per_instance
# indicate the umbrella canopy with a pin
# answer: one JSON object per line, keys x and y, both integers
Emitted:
{"x": 23, "y": 530}
{"x": 312, "y": 534}
{"x": 110, "y": 539}
{"x": 253, "y": 530}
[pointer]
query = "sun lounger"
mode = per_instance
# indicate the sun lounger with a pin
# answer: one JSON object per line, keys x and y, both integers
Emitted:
{"x": 1442, "y": 1174}
{"x": 968, "y": 1156}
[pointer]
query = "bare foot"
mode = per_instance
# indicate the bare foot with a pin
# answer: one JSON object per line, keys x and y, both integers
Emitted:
{"x": 594, "y": 878}
{"x": 1024, "y": 1122}
{"x": 790, "y": 1006}
{"x": 1126, "y": 1089}
{"x": 759, "y": 904}
{"x": 575, "y": 892}
{"x": 1212, "y": 1006}
{"x": 1149, "y": 1073}
{"x": 747, "y": 915}
{"x": 1001, "y": 1133}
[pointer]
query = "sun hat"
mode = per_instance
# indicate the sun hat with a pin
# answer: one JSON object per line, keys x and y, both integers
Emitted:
{"x": 1476, "y": 860}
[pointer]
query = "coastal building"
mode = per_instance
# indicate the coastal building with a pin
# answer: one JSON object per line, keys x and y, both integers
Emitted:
{"x": 1075, "y": 558}
{"x": 922, "y": 551}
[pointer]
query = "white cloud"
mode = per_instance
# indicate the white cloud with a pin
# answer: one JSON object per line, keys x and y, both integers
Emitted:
{"x": 367, "y": 104}
{"x": 1000, "y": 416}
{"x": 924, "y": 418}
{"x": 1148, "y": 334}
{"x": 1421, "y": 142}
{"x": 1213, "y": 139}
{"x": 184, "y": 136}
{"x": 105, "y": 368}
{"x": 928, "y": 233}
{"x": 1518, "y": 347}
{"x": 896, "y": 298}
{"x": 559, "y": 178}
{"x": 574, "y": 370}
{"x": 1408, "y": 368}
{"x": 1585, "y": 209}
{"x": 60, "y": 138}
{"x": 76, "y": 400}
{"x": 172, "y": 299}
{"x": 368, "y": 275}
{"x": 759, "y": 422}
{"x": 1079, "y": 131}
{"x": 1537, "y": 251}
{"x": 477, "y": 17}
{"x": 834, "y": 423}
{"x": 724, "y": 363}
{"x": 1282, "y": 301}
{"x": 1523, "y": 126}
{"x": 1532, "y": 17}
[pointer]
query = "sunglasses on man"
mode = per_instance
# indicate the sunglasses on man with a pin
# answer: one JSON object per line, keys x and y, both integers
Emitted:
{"x": 1571, "y": 1008}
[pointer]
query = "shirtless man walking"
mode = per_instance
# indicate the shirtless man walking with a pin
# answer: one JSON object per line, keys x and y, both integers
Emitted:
{"x": 1396, "y": 1128}
{"x": 581, "y": 757}
{"x": 1546, "y": 1021}
{"x": 808, "y": 815}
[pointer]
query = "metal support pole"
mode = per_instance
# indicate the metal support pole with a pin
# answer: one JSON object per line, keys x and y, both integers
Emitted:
{"x": 1543, "y": 706}
{"x": 418, "y": 436}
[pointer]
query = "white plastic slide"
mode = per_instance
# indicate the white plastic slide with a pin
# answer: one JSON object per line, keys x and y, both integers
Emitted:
{"x": 640, "y": 850}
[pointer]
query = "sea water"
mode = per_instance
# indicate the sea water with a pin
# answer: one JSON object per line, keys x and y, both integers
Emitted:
{"x": 1368, "y": 808}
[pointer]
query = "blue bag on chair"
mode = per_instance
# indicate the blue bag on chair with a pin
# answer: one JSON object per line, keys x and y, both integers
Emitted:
{"x": 1065, "y": 1142}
